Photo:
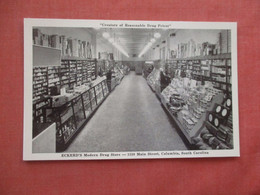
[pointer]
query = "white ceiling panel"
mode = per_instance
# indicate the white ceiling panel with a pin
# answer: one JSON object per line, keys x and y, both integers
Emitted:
{"x": 132, "y": 40}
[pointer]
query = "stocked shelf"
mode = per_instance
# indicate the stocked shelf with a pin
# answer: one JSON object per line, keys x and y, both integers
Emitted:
{"x": 70, "y": 48}
{"x": 198, "y": 86}
{"x": 206, "y": 57}
{"x": 53, "y": 77}
{"x": 71, "y": 72}
{"x": 40, "y": 82}
{"x": 215, "y": 68}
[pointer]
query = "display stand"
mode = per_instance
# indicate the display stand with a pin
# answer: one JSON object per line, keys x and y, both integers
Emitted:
{"x": 71, "y": 116}
{"x": 190, "y": 133}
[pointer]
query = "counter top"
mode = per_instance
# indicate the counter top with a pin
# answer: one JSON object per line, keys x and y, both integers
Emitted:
{"x": 81, "y": 89}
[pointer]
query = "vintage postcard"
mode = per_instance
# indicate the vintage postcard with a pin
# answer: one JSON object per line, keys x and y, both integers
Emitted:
{"x": 115, "y": 89}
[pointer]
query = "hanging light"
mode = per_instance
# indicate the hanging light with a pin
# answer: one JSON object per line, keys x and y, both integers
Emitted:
{"x": 119, "y": 48}
{"x": 111, "y": 40}
{"x": 148, "y": 45}
{"x": 106, "y": 35}
{"x": 145, "y": 49}
{"x": 157, "y": 35}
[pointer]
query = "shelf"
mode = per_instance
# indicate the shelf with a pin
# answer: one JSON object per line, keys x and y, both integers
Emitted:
{"x": 218, "y": 66}
{"x": 221, "y": 82}
{"x": 76, "y": 58}
{"x": 208, "y": 57}
{"x": 221, "y": 74}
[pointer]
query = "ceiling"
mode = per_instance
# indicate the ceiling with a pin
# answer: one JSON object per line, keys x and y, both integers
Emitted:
{"x": 133, "y": 40}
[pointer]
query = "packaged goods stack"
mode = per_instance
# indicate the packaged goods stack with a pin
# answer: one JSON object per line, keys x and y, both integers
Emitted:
{"x": 53, "y": 77}
{"x": 189, "y": 102}
{"x": 119, "y": 74}
{"x": 217, "y": 131}
{"x": 40, "y": 82}
{"x": 70, "y": 47}
{"x": 148, "y": 68}
{"x": 153, "y": 79}
{"x": 84, "y": 72}
{"x": 64, "y": 73}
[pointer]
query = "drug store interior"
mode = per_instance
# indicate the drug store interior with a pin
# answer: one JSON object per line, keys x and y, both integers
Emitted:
{"x": 131, "y": 89}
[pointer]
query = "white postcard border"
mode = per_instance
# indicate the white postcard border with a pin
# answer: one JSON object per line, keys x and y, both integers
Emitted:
{"x": 29, "y": 23}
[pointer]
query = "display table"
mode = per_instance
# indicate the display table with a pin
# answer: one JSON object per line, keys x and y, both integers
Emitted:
{"x": 190, "y": 133}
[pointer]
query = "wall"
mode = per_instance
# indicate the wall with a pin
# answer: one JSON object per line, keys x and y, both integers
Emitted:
{"x": 45, "y": 142}
{"x": 183, "y": 36}
{"x": 199, "y": 36}
{"x": 82, "y": 34}
{"x": 131, "y": 58}
{"x": 105, "y": 46}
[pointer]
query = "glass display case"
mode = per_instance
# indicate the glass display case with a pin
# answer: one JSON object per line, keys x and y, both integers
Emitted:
{"x": 71, "y": 116}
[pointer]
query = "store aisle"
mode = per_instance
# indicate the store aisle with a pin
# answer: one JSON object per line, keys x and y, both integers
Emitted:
{"x": 130, "y": 119}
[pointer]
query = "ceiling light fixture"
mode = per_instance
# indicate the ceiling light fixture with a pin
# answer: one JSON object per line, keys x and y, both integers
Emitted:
{"x": 157, "y": 35}
{"x": 152, "y": 40}
{"x": 145, "y": 49}
{"x": 149, "y": 44}
{"x": 106, "y": 35}
{"x": 111, "y": 40}
{"x": 120, "y": 49}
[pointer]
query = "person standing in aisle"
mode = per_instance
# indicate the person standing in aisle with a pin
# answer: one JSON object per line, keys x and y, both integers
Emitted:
{"x": 165, "y": 80}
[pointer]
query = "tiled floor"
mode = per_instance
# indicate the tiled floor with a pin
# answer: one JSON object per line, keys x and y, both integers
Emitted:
{"x": 130, "y": 119}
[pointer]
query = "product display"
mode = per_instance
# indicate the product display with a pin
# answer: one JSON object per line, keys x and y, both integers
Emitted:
{"x": 70, "y": 114}
{"x": 118, "y": 74}
{"x": 214, "y": 68}
{"x": 40, "y": 82}
{"x": 147, "y": 69}
{"x": 153, "y": 79}
{"x": 188, "y": 103}
{"x": 70, "y": 47}
{"x": 217, "y": 132}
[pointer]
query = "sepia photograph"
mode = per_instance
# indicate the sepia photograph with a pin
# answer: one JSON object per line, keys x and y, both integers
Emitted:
{"x": 105, "y": 89}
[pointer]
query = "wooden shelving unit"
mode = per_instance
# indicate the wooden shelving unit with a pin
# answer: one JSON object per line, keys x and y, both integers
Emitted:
{"x": 214, "y": 68}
